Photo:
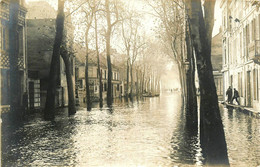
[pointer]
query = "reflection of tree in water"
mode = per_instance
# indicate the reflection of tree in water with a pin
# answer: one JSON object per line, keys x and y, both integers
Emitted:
{"x": 185, "y": 142}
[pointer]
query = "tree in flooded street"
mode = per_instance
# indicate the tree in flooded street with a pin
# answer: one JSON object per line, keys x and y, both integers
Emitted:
{"x": 98, "y": 58}
{"x": 89, "y": 14}
{"x": 212, "y": 135}
{"x": 49, "y": 109}
{"x": 110, "y": 25}
{"x": 191, "y": 95}
{"x": 67, "y": 57}
{"x": 177, "y": 45}
{"x": 133, "y": 43}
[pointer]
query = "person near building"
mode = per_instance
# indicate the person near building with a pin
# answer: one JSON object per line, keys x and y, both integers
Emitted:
{"x": 229, "y": 94}
{"x": 236, "y": 96}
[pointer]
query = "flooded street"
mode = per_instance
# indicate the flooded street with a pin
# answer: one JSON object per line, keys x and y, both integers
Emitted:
{"x": 147, "y": 132}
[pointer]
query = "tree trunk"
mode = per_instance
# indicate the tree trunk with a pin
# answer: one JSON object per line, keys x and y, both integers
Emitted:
{"x": 132, "y": 81}
{"x": 66, "y": 58}
{"x": 127, "y": 78}
{"x": 211, "y": 127}
{"x": 137, "y": 83}
{"x": 182, "y": 84}
{"x": 108, "y": 38}
{"x": 53, "y": 75}
{"x": 98, "y": 63}
{"x": 89, "y": 103}
{"x": 100, "y": 82}
{"x": 15, "y": 83}
{"x": 191, "y": 102}
{"x": 87, "y": 83}
{"x": 143, "y": 80}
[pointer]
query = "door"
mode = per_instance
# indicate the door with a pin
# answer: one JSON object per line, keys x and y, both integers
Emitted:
{"x": 231, "y": 81}
{"x": 31, "y": 95}
{"x": 249, "y": 95}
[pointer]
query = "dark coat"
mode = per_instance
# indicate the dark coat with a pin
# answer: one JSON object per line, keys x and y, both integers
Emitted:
{"x": 236, "y": 94}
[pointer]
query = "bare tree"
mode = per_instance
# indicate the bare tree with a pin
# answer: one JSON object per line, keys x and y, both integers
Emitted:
{"x": 67, "y": 56}
{"x": 133, "y": 44}
{"x": 49, "y": 109}
{"x": 98, "y": 62}
{"x": 89, "y": 14}
{"x": 171, "y": 16}
{"x": 110, "y": 25}
{"x": 212, "y": 132}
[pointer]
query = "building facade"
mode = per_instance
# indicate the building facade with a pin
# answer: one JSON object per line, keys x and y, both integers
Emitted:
{"x": 241, "y": 49}
{"x": 41, "y": 26}
{"x": 117, "y": 86}
{"x": 4, "y": 55}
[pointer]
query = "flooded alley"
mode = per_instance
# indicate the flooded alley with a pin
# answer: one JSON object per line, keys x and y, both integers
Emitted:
{"x": 146, "y": 132}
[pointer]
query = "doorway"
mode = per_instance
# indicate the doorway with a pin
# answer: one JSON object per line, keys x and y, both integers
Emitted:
{"x": 31, "y": 95}
{"x": 249, "y": 95}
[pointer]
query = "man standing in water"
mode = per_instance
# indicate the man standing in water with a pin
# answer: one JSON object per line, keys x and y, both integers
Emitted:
{"x": 229, "y": 95}
{"x": 236, "y": 96}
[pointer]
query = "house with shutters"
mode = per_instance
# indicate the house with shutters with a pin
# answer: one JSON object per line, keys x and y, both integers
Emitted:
{"x": 241, "y": 49}
{"x": 4, "y": 55}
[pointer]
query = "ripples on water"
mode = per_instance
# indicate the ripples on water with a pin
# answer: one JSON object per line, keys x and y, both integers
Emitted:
{"x": 243, "y": 138}
{"x": 148, "y": 132}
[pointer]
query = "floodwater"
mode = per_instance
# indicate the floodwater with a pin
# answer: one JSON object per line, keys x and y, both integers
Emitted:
{"x": 148, "y": 132}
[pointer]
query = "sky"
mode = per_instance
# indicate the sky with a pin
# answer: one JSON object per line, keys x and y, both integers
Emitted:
{"x": 149, "y": 21}
{"x": 148, "y": 25}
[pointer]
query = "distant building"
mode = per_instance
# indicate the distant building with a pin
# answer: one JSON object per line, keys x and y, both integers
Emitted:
{"x": 41, "y": 34}
{"x": 241, "y": 49}
{"x": 216, "y": 59}
{"x": 4, "y": 55}
{"x": 40, "y": 10}
{"x": 117, "y": 87}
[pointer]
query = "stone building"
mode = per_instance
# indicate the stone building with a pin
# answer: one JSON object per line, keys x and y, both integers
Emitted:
{"x": 41, "y": 28}
{"x": 241, "y": 49}
{"x": 4, "y": 55}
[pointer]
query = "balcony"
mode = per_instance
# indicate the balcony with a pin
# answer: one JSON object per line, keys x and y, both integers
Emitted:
{"x": 4, "y": 12}
{"x": 254, "y": 50}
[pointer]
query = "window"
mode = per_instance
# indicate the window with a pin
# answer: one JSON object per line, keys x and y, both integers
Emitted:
{"x": 5, "y": 86}
{"x": 240, "y": 81}
{"x": 252, "y": 30}
{"x": 105, "y": 74}
{"x": 90, "y": 72}
{"x": 117, "y": 88}
{"x": 246, "y": 40}
{"x": 240, "y": 45}
{"x": 80, "y": 83}
{"x": 224, "y": 22}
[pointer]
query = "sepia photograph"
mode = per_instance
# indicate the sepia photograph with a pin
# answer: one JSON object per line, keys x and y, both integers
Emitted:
{"x": 130, "y": 83}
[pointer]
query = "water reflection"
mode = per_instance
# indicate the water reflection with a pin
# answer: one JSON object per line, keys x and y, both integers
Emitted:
{"x": 242, "y": 136}
{"x": 144, "y": 132}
